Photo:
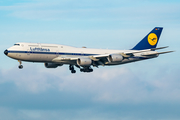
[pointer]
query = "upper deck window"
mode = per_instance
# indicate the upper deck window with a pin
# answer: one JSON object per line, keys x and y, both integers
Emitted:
{"x": 49, "y": 46}
{"x": 16, "y": 44}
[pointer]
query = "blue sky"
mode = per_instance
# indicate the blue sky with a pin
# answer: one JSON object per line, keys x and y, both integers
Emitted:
{"x": 138, "y": 91}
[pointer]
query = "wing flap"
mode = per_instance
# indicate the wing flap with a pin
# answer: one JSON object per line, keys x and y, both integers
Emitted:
{"x": 100, "y": 56}
{"x": 64, "y": 59}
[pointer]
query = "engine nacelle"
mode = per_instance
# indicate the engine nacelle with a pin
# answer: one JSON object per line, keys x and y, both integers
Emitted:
{"x": 84, "y": 62}
{"x": 52, "y": 65}
{"x": 115, "y": 58}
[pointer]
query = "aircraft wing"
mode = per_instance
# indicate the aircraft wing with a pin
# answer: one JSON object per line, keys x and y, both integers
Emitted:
{"x": 103, "y": 59}
{"x": 98, "y": 59}
{"x": 126, "y": 55}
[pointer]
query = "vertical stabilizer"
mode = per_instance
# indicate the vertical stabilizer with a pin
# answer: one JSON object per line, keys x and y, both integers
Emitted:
{"x": 150, "y": 40}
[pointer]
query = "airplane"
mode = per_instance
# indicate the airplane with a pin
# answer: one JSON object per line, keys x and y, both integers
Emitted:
{"x": 54, "y": 55}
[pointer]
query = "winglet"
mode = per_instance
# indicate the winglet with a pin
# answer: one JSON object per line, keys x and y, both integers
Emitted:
{"x": 150, "y": 40}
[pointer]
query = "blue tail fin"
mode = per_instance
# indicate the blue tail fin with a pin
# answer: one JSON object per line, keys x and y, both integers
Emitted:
{"x": 150, "y": 40}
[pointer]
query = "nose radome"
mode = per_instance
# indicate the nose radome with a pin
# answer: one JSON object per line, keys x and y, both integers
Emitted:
{"x": 6, "y": 52}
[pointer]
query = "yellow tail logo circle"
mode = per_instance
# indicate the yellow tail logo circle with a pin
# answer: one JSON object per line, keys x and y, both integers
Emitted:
{"x": 152, "y": 39}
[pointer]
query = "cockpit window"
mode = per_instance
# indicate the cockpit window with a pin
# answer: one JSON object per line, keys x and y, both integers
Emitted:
{"x": 16, "y": 44}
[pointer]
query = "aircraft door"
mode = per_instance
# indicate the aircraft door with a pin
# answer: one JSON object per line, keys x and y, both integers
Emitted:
{"x": 57, "y": 53}
{"x": 28, "y": 52}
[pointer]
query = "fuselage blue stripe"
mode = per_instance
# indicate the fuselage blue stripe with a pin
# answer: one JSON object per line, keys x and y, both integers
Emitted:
{"x": 59, "y": 53}
{"x": 53, "y": 53}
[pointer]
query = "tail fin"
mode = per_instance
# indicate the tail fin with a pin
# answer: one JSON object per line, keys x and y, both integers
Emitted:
{"x": 150, "y": 40}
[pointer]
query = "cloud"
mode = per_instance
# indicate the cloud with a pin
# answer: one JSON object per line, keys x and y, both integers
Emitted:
{"x": 122, "y": 112}
{"x": 143, "y": 90}
{"x": 39, "y": 93}
{"x": 112, "y": 85}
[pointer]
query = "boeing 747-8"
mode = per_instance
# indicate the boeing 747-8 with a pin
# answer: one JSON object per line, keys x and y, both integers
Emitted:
{"x": 54, "y": 55}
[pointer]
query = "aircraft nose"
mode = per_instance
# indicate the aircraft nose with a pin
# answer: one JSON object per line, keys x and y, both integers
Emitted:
{"x": 6, "y": 52}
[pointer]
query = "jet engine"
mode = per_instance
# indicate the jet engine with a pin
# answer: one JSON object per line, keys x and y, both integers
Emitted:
{"x": 115, "y": 58}
{"x": 52, "y": 65}
{"x": 84, "y": 62}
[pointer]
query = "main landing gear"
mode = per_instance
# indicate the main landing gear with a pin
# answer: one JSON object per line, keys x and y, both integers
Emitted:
{"x": 71, "y": 67}
{"x": 20, "y": 66}
{"x": 84, "y": 69}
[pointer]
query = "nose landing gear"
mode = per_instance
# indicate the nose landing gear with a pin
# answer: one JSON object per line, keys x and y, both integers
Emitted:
{"x": 20, "y": 66}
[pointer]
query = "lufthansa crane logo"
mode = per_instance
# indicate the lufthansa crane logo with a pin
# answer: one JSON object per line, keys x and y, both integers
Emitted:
{"x": 152, "y": 39}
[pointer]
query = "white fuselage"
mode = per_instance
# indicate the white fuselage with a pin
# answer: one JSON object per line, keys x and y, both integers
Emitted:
{"x": 35, "y": 52}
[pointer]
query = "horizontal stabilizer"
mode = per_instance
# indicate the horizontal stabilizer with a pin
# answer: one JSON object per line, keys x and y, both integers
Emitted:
{"x": 165, "y": 52}
{"x": 157, "y": 53}
{"x": 159, "y": 48}
{"x": 146, "y": 50}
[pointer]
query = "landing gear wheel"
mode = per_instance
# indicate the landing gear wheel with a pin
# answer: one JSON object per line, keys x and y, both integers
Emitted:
{"x": 20, "y": 67}
{"x": 73, "y": 71}
{"x": 90, "y": 70}
{"x": 82, "y": 70}
{"x": 86, "y": 69}
{"x": 71, "y": 67}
